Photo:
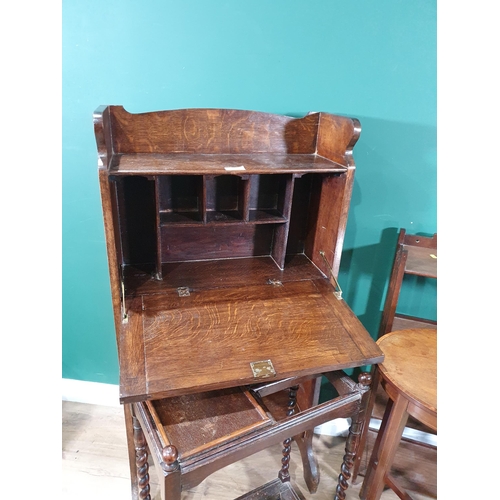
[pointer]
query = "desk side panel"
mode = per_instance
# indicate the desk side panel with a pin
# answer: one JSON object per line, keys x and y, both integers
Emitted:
{"x": 131, "y": 352}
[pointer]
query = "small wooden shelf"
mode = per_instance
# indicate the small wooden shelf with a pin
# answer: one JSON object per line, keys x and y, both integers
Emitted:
{"x": 421, "y": 261}
{"x": 180, "y": 218}
{"x": 266, "y": 216}
{"x": 221, "y": 164}
{"x": 222, "y": 217}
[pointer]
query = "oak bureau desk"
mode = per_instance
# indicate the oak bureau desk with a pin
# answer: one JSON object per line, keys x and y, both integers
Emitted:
{"x": 224, "y": 231}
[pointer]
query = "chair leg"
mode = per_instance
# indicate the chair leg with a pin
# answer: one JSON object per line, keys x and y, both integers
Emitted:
{"x": 384, "y": 450}
{"x": 373, "y": 460}
{"x": 309, "y": 460}
{"x": 141, "y": 460}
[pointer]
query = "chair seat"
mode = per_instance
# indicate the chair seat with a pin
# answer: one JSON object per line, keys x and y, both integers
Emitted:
{"x": 410, "y": 370}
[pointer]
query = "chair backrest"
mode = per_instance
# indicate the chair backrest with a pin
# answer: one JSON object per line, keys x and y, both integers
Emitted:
{"x": 416, "y": 255}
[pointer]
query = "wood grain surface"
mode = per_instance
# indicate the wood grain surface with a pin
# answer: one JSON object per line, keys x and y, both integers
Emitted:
{"x": 208, "y": 339}
{"x": 233, "y": 316}
{"x": 184, "y": 164}
{"x": 198, "y": 422}
{"x": 410, "y": 365}
{"x": 421, "y": 261}
{"x": 212, "y": 131}
{"x": 209, "y": 274}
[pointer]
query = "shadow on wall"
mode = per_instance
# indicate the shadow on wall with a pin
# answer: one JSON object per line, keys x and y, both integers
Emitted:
{"x": 418, "y": 294}
{"x": 394, "y": 188}
{"x": 374, "y": 261}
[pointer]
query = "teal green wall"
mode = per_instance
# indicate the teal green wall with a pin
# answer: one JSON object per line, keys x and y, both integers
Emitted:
{"x": 372, "y": 60}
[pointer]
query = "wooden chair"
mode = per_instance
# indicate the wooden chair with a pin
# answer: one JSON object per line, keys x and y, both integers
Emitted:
{"x": 415, "y": 255}
{"x": 214, "y": 429}
{"x": 416, "y": 457}
{"x": 408, "y": 375}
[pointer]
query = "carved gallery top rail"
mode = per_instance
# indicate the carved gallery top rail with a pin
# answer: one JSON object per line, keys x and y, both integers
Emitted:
{"x": 224, "y": 131}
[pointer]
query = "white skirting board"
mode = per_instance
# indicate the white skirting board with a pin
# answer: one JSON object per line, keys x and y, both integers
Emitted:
{"x": 97, "y": 393}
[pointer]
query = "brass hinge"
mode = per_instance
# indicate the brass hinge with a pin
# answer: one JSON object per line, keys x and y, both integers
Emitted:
{"x": 183, "y": 291}
{"x": 263, "y": 369}
{"x": 271, "y": 281}
{"x": 124, "y": 309}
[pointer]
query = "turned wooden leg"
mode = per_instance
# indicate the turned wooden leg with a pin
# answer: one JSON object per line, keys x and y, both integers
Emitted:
{"x": 384, "y": 450}
{"x": 170, "y": 486}
{"x": 141, "y": 461}
{"x": 309, "y": 461}
{"x": 366, "y": 423}
{"x": 284, "y": 474}
{"x": 129, "y": 427}
{"x": 352, "y": 443}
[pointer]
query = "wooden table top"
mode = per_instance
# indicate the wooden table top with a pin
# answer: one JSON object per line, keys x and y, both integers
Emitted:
{"x": 410, "y": 365}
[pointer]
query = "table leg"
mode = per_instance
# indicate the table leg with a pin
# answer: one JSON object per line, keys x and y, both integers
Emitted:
{"x": 128, "y": 414}
{"x": 366, "y": 423}
{"x": 352, "y": 443}
{"x": 141, "y": 460}
{"x": 309, "y": 461}
{"x": 284, "y": 474}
